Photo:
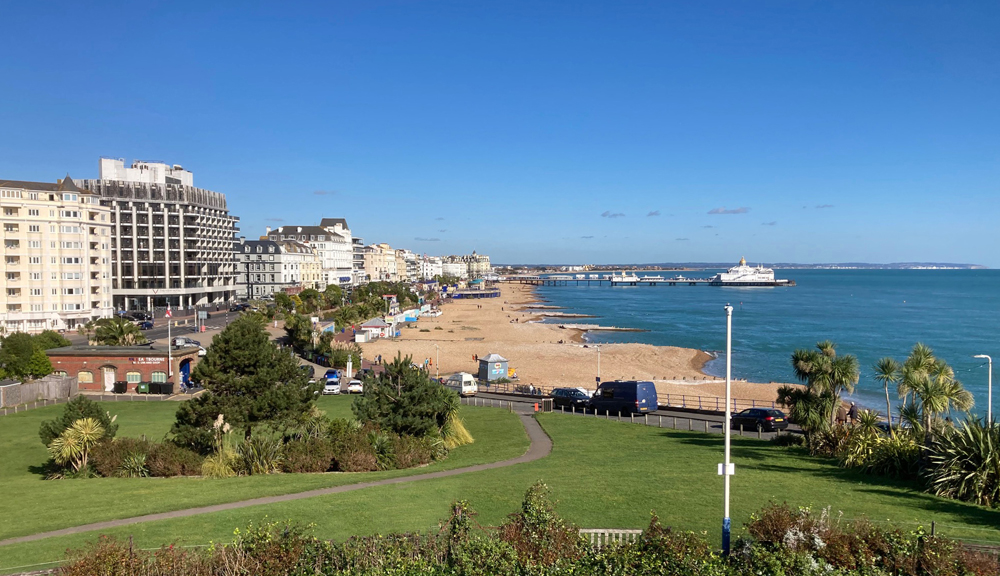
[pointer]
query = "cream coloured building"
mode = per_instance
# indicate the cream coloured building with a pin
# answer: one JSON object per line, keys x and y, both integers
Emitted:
{"x": 56, "y": 270}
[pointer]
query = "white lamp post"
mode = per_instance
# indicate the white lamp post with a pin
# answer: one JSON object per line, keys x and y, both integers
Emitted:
{"x": 598, "y": 364}
{"x": 437, "y": 362}
{"x": 726, "y": 469}
{"x": 989, "y": 390}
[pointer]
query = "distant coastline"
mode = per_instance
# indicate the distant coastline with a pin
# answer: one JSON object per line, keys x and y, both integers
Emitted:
{"x": 681, "y": 266}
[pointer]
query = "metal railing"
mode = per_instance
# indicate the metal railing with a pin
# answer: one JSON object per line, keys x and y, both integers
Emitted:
{"x": 601, "y": 537}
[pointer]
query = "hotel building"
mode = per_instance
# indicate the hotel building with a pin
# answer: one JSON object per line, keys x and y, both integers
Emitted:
{"x": 172, "y": 243}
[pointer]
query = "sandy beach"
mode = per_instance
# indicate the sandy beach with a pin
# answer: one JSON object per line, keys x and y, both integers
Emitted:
{"x": 547, "y": 356}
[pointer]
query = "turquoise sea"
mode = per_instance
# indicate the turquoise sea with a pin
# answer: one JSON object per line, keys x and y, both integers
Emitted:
{"x": 868, "y": 313}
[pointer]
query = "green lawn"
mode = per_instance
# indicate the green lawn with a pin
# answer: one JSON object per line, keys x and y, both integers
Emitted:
{"x": 41, "y": 505}
{"x": 602, "y": 474}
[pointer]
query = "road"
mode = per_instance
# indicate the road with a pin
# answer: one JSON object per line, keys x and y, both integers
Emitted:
{"x": 662, "y": 418}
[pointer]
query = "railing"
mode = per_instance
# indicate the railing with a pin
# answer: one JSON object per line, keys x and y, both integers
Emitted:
{"x": 601, "y": 537}
{"x": 688, "y": 402}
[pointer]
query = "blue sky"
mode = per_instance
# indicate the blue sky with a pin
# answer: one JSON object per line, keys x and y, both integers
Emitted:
{"x": 539, "y": 131}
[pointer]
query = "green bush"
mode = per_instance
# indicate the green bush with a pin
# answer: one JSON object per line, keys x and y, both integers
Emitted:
{"x": 259, "y": 455}
{"x": 788, "y": 439}
{"x": 307, "y": 455}
{"x": 108, "y": 457}
{"x": 965, "y": 464}
{"x": 410, "y": 452}
{"x": 166, "y": 459}
{"x": 78, "y": 407}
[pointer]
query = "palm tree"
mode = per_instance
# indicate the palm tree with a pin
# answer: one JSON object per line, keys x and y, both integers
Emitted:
{"x": 932, "y": 384}
{"x": 888, "y": 371}
{"x": 826, "y": 374}
{"x": 118, "y": 332}
{"x": 917, "y": 367}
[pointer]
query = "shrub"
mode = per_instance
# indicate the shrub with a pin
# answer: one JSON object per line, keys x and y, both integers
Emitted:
{"x": 222, "y": 464}
{"x": 167, "y": 459}
{"x": 259, "y": 455}
{"x": 77, "y": 408}
{"x": 897, "y": 457}
{"x": 354, "y": 453}
{"x": 965, "y": 464}
{"x": 537, "y": 534}
{"x": 788, "y": 439}
{"x": 109, "y": 455}
{"x": 307, "y": 455}
{"x": 410, "y": 452}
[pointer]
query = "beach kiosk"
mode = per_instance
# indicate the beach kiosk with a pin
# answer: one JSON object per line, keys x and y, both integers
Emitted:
{"x": 492, "y": 367}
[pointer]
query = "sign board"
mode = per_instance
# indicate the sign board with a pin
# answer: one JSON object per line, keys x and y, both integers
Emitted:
{"x": 314, "y": 319}
{"x": 202, "y": 315}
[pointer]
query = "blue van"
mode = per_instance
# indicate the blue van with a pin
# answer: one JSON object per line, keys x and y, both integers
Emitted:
{"x": 625, "y": 396}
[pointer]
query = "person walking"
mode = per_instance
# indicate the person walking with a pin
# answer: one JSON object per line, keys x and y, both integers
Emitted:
{"x": 852, "y": 413}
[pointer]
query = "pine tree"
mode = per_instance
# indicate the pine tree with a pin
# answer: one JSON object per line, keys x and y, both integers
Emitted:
{"x": 405, "y": 400}
{"x": 249, "y": 380}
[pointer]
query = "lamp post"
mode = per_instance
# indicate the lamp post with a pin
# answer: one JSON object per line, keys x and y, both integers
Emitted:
{"x": 726, "y": 468}
{"x": 989, "y": 390}
{"x": 598, "y": 364}
{"x": 437, "y": 362}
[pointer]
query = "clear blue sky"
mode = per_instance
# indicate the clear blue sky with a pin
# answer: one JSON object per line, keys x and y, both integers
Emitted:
{"x": 539, "y": 131}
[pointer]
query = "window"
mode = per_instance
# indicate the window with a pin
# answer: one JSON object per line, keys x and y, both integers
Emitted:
{"x": 36, "y": 291}
{"x": 85, "y": 377}
{"x": 70, "y": 197}
{"x": 133, "y": 377}
{"x": 33, "y": 227}
{"x": 36, "y": 307}
{"x": 32, "y": 212}
{"x": 36, "y": 275}
{"x": 159, "y": 377}
{"x": 34, "y": 244}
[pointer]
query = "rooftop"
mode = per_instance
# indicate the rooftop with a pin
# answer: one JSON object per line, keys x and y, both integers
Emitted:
{"x": 83, "y": 350}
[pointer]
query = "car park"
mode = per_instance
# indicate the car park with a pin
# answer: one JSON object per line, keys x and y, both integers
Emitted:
{"x": 760, "y": 419}
{"x": 331, "y": 387}
{"x": 570, "y": 398}
{"x": 625, "y": 397}
{"x": 355, "y": 387}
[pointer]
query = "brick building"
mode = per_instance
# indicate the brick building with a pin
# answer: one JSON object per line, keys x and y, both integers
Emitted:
{"x": 97, "y": 368}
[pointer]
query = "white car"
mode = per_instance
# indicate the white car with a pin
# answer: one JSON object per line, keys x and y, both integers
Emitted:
{"x": 355, "y": 387}
{"x": 202, "y": 351}
{"x": 331, "y": 387}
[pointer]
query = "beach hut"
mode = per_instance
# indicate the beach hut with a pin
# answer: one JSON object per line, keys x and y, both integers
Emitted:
{"x": 492, "y": 367}
{"x": 376, "y": 328}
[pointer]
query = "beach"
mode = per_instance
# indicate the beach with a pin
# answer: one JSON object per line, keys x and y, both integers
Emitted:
{"x": 548, "y": 356}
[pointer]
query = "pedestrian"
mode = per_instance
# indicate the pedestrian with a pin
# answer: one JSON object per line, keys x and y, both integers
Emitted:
{"x": 852, "y": 413}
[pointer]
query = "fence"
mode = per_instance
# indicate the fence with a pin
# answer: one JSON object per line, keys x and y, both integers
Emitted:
{"x": 704, "y": 403}
{"x": 51, "y": 387}
{"x": 600, "y": 537}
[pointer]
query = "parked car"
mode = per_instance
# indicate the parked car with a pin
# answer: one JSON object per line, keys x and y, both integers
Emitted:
{"x": 308, "y": 369}
{"x": 463, "y": 383}
{"x": 332, "y": 374}
{"x": 625, "y": 396}
{"x": 202, "y": 351}
{"x": 331, "y": 387}
{"x": 761, "y": 419}
{"x": 145, "y": 325}
{"x": 355, "y": 387}
{"x": 570, "y": 397}
{"x": 239, "y": 307}
{"x": 185, "y": 341}
{"x": 141, "y": 316}
{"x": 364, "y": 373}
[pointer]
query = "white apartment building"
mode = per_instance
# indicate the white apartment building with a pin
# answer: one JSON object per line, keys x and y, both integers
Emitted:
{"x": 430, "y": 267}
{"x": 457, "y": 269}
{"x": 360, "y": 277}
{"x": 56, "y": 268}
{"x": 267, "y": 267}
{"x": 332, "y": 242}
{"x": 172, "y": 243}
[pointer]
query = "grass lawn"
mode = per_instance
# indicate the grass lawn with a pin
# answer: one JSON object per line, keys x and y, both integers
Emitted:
{"x": 602, "y": 474}
{"x": 40, "y": 505}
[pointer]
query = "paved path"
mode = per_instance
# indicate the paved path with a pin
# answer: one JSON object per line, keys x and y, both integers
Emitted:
{"x": 540, "y": 447}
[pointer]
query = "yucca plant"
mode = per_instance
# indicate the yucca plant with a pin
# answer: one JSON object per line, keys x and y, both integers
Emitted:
{"x": 862, "y": 440}
{"x": 897, "y": 457}
{"x": 259, "y": 455}
{"x": 382, "y": 446}
{"x": 133, "y": 466}
{"x": 965, "y": 464}
{"x": 73, "y": 445}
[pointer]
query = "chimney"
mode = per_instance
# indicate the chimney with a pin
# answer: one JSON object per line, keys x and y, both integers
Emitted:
{"x": 267, "y": 230}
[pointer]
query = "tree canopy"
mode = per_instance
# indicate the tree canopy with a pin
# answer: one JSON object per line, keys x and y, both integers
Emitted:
{"x": 405, "y": 400}
{"x": 23, "y": 355}
{"x": 249, "y": 380}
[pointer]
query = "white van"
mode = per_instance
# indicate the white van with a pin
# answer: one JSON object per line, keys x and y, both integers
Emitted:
{"x": 463, "y": 383}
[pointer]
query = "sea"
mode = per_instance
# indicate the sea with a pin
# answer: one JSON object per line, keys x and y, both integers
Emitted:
{"x": 868, "y": 313}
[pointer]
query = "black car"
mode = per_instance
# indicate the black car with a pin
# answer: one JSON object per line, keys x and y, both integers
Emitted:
{"x": 141, "y": 316}
{"x": 761, "y": 419}
{"x": 569, "y": 397}
{"x": 308, "y": 369}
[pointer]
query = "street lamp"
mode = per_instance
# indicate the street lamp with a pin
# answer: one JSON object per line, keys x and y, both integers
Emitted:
{"x": 598, "y": 364}
{"x": 726, "y": 469}
{"x": 989, "y": 390}
{"x": 437, "y": 362}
